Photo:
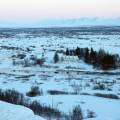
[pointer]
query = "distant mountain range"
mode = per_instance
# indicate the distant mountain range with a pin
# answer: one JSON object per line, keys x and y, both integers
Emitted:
{"x": 63, "y": 23}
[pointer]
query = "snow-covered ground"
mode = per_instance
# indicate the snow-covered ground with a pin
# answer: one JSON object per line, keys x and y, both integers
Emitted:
{"x": 104, "y": 108}
{"x": 69, "y": 74}
{"x": 15, "y": 112}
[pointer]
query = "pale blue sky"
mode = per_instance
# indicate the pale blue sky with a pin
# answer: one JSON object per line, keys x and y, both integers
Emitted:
{"x": 44, "y": 9}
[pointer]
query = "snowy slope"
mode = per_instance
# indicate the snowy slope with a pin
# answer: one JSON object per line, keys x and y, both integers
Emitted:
{"x": 16, "y": 112}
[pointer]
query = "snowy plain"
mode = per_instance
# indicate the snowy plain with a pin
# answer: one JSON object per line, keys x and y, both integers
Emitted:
{"x": 66, "y": 75}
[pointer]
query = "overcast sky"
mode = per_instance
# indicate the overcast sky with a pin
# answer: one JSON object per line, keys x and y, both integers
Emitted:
{"x": 44, "y": 9}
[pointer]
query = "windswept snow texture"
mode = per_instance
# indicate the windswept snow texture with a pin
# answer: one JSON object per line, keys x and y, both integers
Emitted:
{"x": 18, "y": 48}
{"x": 15, "y": 112}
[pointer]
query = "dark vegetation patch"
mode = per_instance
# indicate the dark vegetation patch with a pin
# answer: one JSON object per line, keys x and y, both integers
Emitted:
{"x": 99, "y": 86}
{"x": 45, "y": 111}
{"x": 111, "y": 96}
{"x": 20, "y": 56}
{"x": 85, "y": 93}
{"x": 57, "y": 92}
{"x": 56, "y": 57}
{"x": 11, "y": 48}
{"x": 76, "y": 113}
{"x": 35, "y": 91}
{"x": 25, "y": 76}
{"x": 99, "y": 59}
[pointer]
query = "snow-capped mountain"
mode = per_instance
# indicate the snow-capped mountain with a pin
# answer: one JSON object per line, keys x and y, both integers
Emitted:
{"x": 63, "y": 22}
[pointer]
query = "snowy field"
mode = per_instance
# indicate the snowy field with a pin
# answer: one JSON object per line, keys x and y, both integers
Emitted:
{"x": 79, "y": 80}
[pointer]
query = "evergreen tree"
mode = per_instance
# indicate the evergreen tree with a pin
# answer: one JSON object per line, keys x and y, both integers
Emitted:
{"x": 56, "y": 57}
{"x": 77, "y": 51}
{"x": 86, "y": 56}
{"x": 67, "y": 51}
{"x": 108, "y": 61}
{"x": 93, "y": 56}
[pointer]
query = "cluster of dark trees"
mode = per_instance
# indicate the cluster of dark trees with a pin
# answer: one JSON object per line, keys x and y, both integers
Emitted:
{"x": 99, "y": 59}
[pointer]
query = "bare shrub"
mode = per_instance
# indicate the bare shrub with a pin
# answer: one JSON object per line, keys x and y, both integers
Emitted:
{"x": 99, "y": 86}
{"x": 90, "y": 114}
{"x": 56, "y": 92}
{"x": 76, "y": 113}
{"x": 77, "y": 88}
{"x": 40, "y": 61}
{"x": 43, "y": 110}
{"x": 34, "y": 92}
{"x": 12, "y": 96}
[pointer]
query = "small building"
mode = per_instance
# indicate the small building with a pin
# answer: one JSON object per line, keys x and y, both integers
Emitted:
{"x": 66, "y": 58}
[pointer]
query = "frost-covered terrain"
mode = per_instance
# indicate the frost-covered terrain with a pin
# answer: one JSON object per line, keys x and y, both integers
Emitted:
{"x": 76, "y": 82}
{"x": 15, "y": 112}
